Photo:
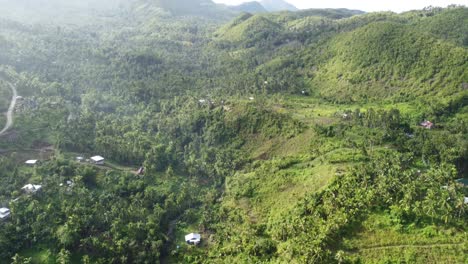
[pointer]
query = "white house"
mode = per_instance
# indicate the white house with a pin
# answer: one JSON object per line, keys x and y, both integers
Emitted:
{"x": 4, "y": 213}
{"x": 31, "y": 188}
{"x": 251, "y": 98}
{"x": 79, "y": 159}
{"x": 31, "y": 162}
{"x": 98, "y": 160}
{"x": 466, "y": 200}
{"x": 193, "y": 239}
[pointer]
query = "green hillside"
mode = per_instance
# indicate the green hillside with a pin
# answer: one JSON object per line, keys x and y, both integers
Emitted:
{"x": 250, "y": 29}
{"x": 287, "y": 137}
{"x": 390, "y": 60}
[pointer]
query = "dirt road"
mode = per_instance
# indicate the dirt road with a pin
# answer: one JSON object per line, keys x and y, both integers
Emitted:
{"x": 11, "y": 109}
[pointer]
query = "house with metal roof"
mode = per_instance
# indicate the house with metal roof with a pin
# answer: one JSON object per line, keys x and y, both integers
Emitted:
{"x": 98, "y": 160}
{"x": 4, "y": 213}
{"x": 193, "y": 239}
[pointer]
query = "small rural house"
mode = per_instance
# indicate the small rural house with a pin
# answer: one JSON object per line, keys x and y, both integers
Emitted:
{"x": 427, "y": 124}
{"x": 31, "y": 188}
{"x": 251, "y": 98}
{"x": 31, "y": 162}
{"x": 4, "y": 213}
{"x": 79, "y": 159}
{"x": 466, "y": 200}
{"x": 98, "y": 160}
{"x": 193, "y": 239}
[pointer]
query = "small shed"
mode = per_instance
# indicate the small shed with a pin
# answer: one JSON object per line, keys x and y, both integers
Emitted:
{"x": 193, "y": 239}
{"x": 98, "y": 160}
{"x": 80, "y": 159}
{"x": 31, "y": 188}
{"x": 4, "y": 213}
{"x": 31, "y": 162}
{"x": 251, "y": 98}
{"x": 466, "y": 200}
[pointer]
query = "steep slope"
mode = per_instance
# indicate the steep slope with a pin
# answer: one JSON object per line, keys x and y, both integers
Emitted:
{"x": 249, "y": 29}
{"x": 387, "y": 59}
{"x": 450, "y": 24}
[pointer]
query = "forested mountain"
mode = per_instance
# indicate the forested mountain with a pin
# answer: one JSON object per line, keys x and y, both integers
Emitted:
{"x": 315, "y": 136}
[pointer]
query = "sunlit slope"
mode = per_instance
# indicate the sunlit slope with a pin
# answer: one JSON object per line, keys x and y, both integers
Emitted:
{"x": 248, "y": 28}
{"x": 388, "y": 60}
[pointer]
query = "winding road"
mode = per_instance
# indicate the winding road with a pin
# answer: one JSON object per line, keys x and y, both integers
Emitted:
{"x": 9, "y": 115}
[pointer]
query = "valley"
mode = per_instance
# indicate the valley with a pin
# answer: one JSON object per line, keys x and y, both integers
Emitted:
{"x": 306, "y": 136}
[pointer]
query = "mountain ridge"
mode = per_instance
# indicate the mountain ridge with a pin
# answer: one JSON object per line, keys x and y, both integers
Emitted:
{"x": 277, "y": 5}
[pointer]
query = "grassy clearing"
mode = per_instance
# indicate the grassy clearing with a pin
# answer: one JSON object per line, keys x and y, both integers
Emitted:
{"x": 315, "y": 111}
{"x": 379, "y": 240}
{"x": 286, "y": 169}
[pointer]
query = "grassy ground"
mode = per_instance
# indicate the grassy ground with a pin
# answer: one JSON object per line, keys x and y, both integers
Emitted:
{"x": 313, "y": 110}
{"x": 378, "y": 240}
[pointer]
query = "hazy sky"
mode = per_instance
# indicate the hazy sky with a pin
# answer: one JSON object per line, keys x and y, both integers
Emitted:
{"x": 365, "y": 5}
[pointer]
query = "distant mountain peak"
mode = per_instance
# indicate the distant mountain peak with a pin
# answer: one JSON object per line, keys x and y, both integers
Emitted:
{"x": 277, "y": 5}
{"x": 250, "y": 7}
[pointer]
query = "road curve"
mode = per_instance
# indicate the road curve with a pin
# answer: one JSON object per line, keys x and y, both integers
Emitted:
{"x": 11, "y": 109}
